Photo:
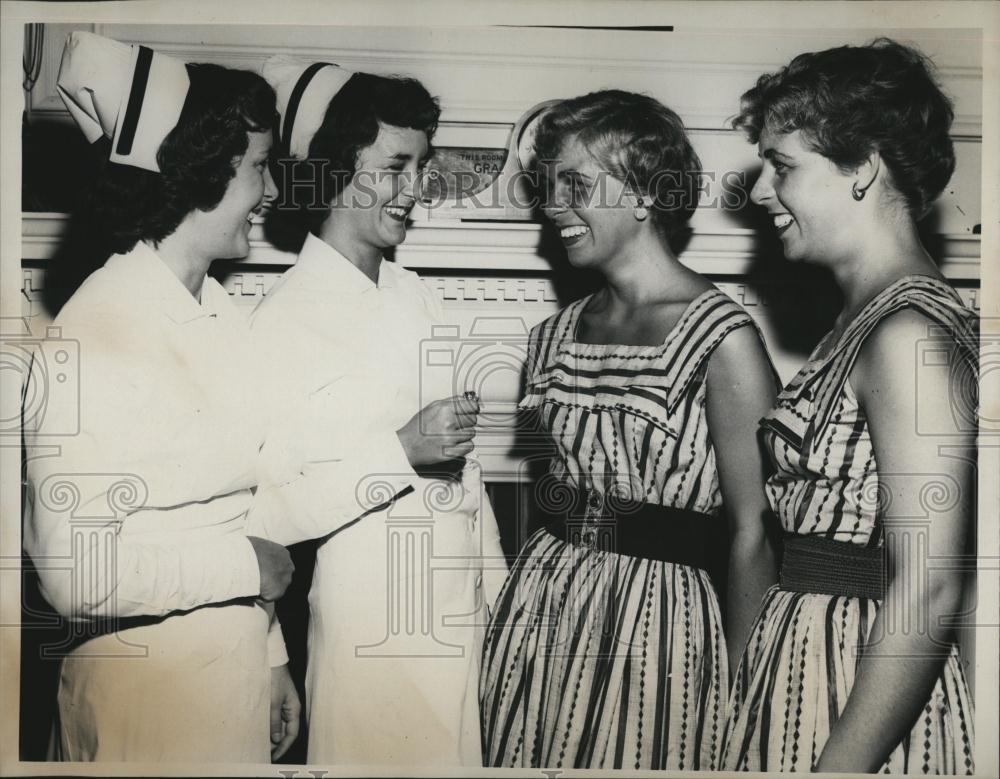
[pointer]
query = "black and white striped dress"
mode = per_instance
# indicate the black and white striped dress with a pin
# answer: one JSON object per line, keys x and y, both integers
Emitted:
{"x": 597, "y": 659}
{"x": 801, "y": 658}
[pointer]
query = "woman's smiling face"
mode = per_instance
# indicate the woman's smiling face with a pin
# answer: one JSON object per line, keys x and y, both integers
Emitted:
{"x": 592, "y": 210}
{"x": 378, "y": 200}
{"x": 808, "y": 197}
{"x": 226, "y": 227}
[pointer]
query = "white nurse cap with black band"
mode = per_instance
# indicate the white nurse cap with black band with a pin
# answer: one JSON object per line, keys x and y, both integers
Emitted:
{"x": 304, "y": 89}
{"x": 129, "y": 93}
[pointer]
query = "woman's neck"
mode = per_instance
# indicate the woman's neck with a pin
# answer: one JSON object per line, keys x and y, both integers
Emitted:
{"x": 646, "y": 271}
{"x": 185, "y": 260}
{"x": 889, "y": 254}
{"x": 364, "y": 256}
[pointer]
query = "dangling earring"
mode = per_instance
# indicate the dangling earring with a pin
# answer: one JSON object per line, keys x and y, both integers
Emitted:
{"x": 640, "y": 213}
{"x": 858, "y": 193}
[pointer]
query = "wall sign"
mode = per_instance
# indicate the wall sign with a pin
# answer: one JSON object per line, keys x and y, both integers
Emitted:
{"x": 483, "y": 172}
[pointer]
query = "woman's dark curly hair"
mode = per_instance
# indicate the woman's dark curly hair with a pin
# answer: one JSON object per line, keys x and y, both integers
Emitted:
{"x": 197, "y": 159}
{"x": 852, "y": 100}
{"x": 351, "y": 123}
{"x": 636, "y": 139}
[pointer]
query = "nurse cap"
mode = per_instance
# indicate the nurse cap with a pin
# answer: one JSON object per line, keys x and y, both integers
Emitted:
{"x": 128, "y": 93}
{"x": 304, "y": 89}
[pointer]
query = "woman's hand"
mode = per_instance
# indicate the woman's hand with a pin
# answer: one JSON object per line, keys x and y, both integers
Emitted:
{"x": 441, "y": 431}
{"x": 276, "y": 567}
{"x": 285, "y": 711}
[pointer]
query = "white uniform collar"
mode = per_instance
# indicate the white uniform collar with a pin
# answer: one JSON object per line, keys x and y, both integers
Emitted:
{"x": 318, "y": 257}
{"x": 151, "y": 282}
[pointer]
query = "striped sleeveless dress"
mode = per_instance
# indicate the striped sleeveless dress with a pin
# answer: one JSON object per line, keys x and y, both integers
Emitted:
{"x": 593, "y": 658}
{"x": 800, "y": 660}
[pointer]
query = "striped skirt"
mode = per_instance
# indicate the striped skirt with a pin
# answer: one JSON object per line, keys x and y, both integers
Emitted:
{"x": 599, "y": 660}
{"x": 794, "y": 679}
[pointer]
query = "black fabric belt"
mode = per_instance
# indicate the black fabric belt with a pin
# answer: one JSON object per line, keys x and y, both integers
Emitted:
{"x": 827, "y": 567}
{"x": 606, "y": 523}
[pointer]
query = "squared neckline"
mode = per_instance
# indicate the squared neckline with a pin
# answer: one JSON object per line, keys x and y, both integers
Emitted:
{"x": 580, "y": 305}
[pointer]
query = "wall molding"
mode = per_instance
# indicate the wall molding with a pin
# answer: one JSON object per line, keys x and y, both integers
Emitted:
{"x": 513, "y": 247}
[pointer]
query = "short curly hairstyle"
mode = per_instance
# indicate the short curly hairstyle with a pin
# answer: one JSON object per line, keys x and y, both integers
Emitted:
{"x": 351, "y": 123}
{"x": 636, "y": 139}
{"x": 197, "y": 159}
{"x": 852, "y": 100}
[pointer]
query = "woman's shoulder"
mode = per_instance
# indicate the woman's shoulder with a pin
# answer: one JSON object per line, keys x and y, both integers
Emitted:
{"x": 914, "y": 313}
{"x": 702, "y": 302}
{"x": 719, "y": 303}
{"x": 933, "y": 298}
{"x": 912, "y": 370}
{"x": 102, "y": 299}
{"x": 895, "y": 332}
{"x": 716, "y": 331}
{"x": 910, "y": 337}
{"x": 561, "y": 324}
{"x": 708, "y": 319}
{"x": 910, "y": 310}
